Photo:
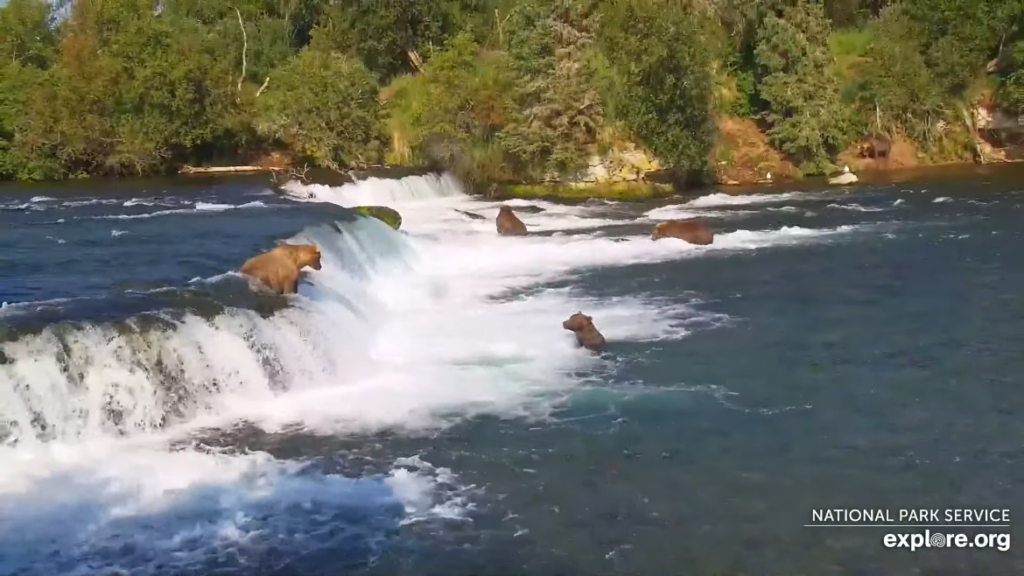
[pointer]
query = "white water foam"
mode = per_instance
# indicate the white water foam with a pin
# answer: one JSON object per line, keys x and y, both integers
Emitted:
{"x": 172, "y": 511}
{"x": 699, "y": 207}
{"x": 686, "y": 211}
{"x": 199, "y": 207}
{"x": 723, "y": 199}
{"x": 854, "y": 207}
{"x": 407, "y": 332}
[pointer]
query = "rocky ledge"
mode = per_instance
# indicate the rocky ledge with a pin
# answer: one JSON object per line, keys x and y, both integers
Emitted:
{"x": 626, "y": 173}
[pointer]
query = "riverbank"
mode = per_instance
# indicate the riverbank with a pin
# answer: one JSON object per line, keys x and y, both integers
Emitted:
{"x": 1006, "y": 174}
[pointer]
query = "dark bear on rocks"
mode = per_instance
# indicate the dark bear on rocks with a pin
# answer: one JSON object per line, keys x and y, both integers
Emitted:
{"x": 586, "y": 333}
{"x": 508, "y": 223}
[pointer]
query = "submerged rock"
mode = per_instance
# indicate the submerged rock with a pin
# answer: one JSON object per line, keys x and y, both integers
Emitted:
{"x": 389, "y": 216}
{"x": 472, "y": 215}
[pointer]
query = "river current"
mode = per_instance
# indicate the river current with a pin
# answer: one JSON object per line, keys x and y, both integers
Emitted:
{"x": 417, "y": 409}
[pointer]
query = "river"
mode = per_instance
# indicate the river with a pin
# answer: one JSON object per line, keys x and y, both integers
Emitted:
{"x": 417, "y": 409}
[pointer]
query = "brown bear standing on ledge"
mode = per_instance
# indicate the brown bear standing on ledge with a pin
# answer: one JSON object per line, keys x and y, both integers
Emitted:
{"x": 586, "y": 333}
{"x": 508, "y": 223}
{"x": 279, "y": 268}
{"x": 692, "y": 231}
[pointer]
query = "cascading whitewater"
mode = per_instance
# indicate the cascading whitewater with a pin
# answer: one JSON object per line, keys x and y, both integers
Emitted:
{"x": 80, "y": 380}
{"x": 389, "y": 311}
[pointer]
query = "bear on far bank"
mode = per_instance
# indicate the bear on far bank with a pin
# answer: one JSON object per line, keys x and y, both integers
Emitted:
{"x": 508, "y": 223}
{"x": 693, "y": 231}
{"x": 875, "y": 148}
{"x": 586, "y": 333}
{"x": 279, "y": 269}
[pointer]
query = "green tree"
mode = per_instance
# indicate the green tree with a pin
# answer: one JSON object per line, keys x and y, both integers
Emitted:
{"x": 28, "y": 35}
{"x": 28, "y": 47}
{"x": 557, "y": 108}
{"x": 392, "y": 37}
{"x": 452, "y": 113}
{"x": 323, "y": 106}
{"x": 961, "y": 35}
{"x": 131, "y": 93}
{"x": 899, "y": 92}
{"x": 662, "y": 89}
{"x": 808, "y": 121}
{"x": 1011, "y": 86}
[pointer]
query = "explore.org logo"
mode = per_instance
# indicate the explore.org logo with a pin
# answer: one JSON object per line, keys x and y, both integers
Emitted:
{"x": 929, "y": 539}
{"x": 943, "y": 527}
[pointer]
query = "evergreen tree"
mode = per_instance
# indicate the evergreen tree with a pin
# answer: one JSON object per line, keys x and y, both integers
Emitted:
{"x": 807, "y": 118}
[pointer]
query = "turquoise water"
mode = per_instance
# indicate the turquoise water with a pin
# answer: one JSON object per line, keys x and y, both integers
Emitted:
{"x": 418, "y": 409}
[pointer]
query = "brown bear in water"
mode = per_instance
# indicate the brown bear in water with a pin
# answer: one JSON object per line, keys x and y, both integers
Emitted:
{"x": 508, "y": 223}
{"x": 586, "y": 333}
{"x": 279, "y": 268}
{"x": 692, "y": 231}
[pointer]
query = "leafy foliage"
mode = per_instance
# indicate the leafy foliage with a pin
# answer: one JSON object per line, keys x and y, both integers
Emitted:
{"x": 323, "y": 106}
{"x": 899, "y": 89}
{"x": 452, "y": 112}
{"x": 664, "y": 88}
{"x": 1011, "y": 88}
{"x": 493, "y": 89}
{"x": 807, "y": 118}
{"x": 557, "y": 111}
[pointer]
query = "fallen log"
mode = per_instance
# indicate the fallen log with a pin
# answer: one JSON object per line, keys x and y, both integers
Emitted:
{"x": 228, "y": 169}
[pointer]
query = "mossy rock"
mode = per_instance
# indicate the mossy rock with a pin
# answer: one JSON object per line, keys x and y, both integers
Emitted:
{"x": 617, "y": 191}
{"x": 389, "y": 216}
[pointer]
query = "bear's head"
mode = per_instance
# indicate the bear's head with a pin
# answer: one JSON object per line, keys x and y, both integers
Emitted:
{"x": 302, "y": 255}
{"x": 505, "y": 210}
{"x": 578, "y": 321}
{"x": 658, "y": 231}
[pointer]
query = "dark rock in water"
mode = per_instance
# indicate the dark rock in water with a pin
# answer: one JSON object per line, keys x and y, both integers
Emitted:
{"x": 389, "y": 216}
{"x": 472, "y": 215}
{"x": 529, "y": 209}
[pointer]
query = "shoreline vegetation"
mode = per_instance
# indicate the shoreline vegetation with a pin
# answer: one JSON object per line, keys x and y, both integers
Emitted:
{"x": 567, "y": 99}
